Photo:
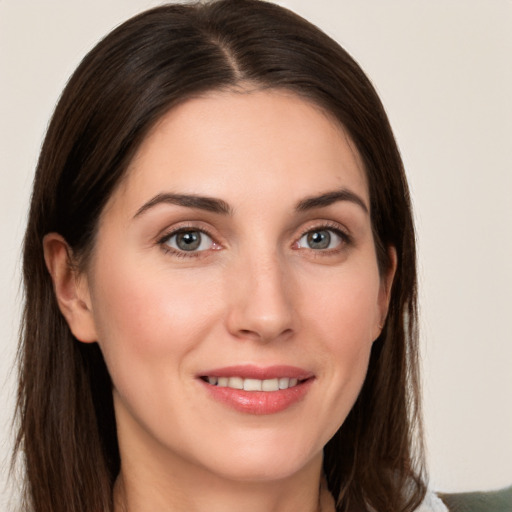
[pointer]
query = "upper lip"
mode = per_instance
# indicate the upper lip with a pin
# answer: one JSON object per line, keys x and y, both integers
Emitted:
{"x": 249, "y": 371}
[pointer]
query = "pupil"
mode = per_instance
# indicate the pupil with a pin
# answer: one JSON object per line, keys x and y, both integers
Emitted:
{"x": 319, "y": 240}
{"x": 188, "y": 241}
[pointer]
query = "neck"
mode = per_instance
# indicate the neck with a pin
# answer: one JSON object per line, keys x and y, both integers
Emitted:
{"x": 146, "y": 489}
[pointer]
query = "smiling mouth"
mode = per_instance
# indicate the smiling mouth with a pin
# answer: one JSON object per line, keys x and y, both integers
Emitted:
{"x": 247, "y": 384}
{"x": 257, "y": 390}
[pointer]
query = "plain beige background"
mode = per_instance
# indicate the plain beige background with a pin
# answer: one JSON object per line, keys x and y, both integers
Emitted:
{"x": 443, "y": 69}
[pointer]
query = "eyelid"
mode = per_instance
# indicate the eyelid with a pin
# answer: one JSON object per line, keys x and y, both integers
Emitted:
{"x": 327, "y": 225}
{"x": 335, "y": 227}
{"x": 162, "y": 239}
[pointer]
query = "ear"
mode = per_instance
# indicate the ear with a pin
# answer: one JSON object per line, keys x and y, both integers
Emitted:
{"x": 71, "y": 288}
{"x": 386, "y": 285}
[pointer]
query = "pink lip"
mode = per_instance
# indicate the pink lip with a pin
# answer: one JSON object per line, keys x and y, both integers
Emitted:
{"x": 259, "y": 402}
{"x": 249, "y": 371}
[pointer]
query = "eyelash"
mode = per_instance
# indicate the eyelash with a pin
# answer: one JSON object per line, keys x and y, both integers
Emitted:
{"x": 346, "y": 240}
{"x": 163, "y": 242}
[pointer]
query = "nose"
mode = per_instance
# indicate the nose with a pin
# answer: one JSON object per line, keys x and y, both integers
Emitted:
{"x": 261, "y": 300}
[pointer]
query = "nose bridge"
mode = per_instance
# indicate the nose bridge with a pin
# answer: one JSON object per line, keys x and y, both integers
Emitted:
{"x": 262, "y": 305}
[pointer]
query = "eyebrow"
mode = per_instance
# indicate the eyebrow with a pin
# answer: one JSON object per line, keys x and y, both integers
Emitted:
{"x": 328, "y": 198}
{"x": 208, "y": 204}
{"x": 214, "y": 205}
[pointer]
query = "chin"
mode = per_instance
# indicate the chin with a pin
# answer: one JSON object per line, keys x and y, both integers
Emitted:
{"x": 264, "y": 459}
{"x": 262, "y": 471}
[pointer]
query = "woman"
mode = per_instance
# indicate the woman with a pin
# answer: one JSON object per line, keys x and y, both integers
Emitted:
{"x": 220, "y": 278}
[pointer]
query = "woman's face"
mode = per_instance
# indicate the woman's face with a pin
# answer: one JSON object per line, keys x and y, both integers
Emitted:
{"x": 238, "y": 252}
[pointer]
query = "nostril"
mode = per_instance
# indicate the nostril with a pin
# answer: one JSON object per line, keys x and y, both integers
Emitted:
{"x": 261, "y": 314}
{"x": 264, "y": 335}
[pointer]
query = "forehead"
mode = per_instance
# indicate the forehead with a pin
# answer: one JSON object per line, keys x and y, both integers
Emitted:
{"x": 261, "y": 141}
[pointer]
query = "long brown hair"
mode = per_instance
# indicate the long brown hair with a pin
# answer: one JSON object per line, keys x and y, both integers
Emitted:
{"x": 67, "y": 432}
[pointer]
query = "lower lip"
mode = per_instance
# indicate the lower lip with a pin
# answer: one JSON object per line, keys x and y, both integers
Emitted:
{"x": 259, "y": 402}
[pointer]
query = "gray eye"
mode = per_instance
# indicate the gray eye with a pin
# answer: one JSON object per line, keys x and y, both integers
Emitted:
{"x": 320, "y": 239}
{"x": 190, "y": 241}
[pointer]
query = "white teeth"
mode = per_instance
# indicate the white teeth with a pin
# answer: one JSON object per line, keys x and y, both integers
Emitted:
{"x": 236, "y": 383}
{"x": 284, "y": 383}
{"x": 270, "y": 385}
{"x": 253, "y": 384}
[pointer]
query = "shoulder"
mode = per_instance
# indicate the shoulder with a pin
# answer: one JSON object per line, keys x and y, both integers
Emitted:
{"x": 483, "y": 501}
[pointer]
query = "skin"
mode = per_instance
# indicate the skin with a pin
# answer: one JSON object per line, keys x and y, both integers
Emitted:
{"x": 256, "y": 292}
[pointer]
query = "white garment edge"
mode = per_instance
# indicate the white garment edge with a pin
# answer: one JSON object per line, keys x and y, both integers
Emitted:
{"x": 432, "y": 503}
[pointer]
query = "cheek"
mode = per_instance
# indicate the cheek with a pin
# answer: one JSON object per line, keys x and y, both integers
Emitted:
{"x": 149, "y": 323}
{"x": 144, "y": 313}
{"x": 352, "y": 326}
{"x": 344, "y": 307}
{"x": 342, "y": 319}
{"x": 348, "y": 326}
